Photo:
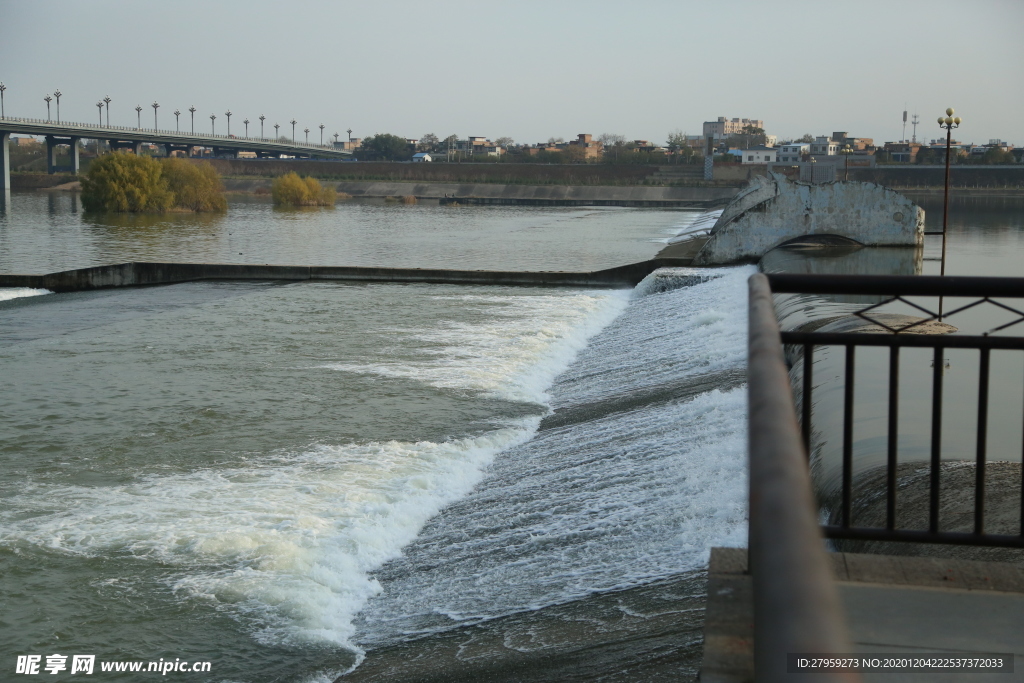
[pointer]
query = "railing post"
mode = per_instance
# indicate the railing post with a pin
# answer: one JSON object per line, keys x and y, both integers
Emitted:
{"x": 796, "y": 603}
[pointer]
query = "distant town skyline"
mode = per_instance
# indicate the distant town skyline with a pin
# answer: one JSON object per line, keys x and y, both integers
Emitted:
{"x": 528, "y": 70}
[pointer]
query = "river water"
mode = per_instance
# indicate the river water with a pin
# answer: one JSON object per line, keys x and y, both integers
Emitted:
{"x": 290, "y": 480}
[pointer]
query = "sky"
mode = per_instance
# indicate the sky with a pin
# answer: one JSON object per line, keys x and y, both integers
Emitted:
{"x": 527, "y": 69}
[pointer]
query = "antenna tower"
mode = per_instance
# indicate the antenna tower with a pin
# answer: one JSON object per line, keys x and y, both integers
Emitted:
{"x": 913, "y": 122}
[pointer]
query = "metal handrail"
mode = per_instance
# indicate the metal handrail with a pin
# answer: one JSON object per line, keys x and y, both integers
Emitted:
{"x": 93, "y": 128}
{"x": 796, "y": 603}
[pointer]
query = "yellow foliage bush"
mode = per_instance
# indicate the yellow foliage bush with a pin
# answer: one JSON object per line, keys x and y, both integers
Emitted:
{"x": 196, "y": 187}
{"x": 291, "y": 190}
{"x": 124, "y": 182}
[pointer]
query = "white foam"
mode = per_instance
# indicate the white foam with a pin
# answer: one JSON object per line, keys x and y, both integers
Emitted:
{"x": 291, "y": 541}
{"x": 514, "y": 353}
{"x": 8, "y": 293}
{"x": 699, "y": 226}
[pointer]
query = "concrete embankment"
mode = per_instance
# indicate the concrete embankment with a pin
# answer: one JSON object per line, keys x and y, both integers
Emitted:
{"x": 142, "y": 274}
{"x": 538, "y": 195}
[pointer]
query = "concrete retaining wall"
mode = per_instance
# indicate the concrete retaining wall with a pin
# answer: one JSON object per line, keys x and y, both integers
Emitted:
{"x": 491, "y": 193}
{"x": 141, "y": 274}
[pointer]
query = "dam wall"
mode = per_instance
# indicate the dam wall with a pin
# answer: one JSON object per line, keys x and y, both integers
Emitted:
{"x": 137, "y": 274}
{"x": 539, "y": 195}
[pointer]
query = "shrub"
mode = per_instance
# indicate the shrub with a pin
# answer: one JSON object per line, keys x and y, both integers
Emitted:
{"x": 408, "y": 199}
{"x": 195, "y": 187}
{"x": 125, "y": 183}
{"x": 291, "y": 190}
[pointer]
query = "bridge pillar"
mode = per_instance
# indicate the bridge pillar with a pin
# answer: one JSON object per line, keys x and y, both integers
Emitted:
{"x": 5, "y": 162}
{"x": 51, "y": 155}
{"x": 76, "y": 165}
{"x": 137, "y": 148}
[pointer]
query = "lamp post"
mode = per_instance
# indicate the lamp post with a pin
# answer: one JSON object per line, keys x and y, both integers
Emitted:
{"x": 2, "y": 88}
{"x": 307, "y": 135}
{"x": 192, "y": 110}
{"x": 846, "y": 152}
{"x": 213, "y": 128}
{"x": 99, "y": 105}
{"x": 293, "y": 129}
{"x": 228, "y": 114}
{"x": 246, "y": 122}
{"x": 276, "y": 136}
{"x": 48, "y": 99}
{"x": 349, "y": 135}
{"x": 948, "y": 122}
{"x": 177, "y": 128}
{"x": 57, "y": 93}
{"x": 155, "y": 107}
{"x": 321, "y": 134}
{"x": 335, "y": 139}
{"x": 106, "y": 101}
{"x": 138, "y": 114}
{"x": 262, "y": 119}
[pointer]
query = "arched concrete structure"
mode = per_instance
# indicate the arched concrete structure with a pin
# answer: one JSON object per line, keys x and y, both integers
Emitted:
{"x": 774, "y": 210}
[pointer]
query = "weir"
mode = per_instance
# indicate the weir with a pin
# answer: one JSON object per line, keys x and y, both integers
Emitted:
{"x": 136, "y": 274}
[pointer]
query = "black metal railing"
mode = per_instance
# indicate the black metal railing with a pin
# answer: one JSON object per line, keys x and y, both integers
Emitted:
{"x": 896, "y": 289}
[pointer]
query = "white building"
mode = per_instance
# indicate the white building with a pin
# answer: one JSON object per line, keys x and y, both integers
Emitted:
{"x": 825, "y": 146}
{"x": 421, "y": 156}
{"x": 793, "y": 152}
{"x": 759, "y": 155}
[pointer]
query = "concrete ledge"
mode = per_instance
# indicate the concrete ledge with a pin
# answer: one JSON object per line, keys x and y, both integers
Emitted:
{"x": 138, "y": 274}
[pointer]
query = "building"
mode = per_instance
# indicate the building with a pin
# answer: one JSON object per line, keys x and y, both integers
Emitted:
{"x": 591, "y": 148}
{"x": 476, "y": 144}
{"x": 723, "y": 128}
{"x": 421, "y": 157}
{"x": 825, "y": 146}
{"x": 793, "y": 152}
{"x": 902, "y": 152}
{"x": 759, "y": 155}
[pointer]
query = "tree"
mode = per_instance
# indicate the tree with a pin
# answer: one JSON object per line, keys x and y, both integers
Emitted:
{"x": 504, "y": 142}
{"x": 291, "y": 190}
{"x": 556, "y": 141}
{"x": 386, "y": 146}
{"x": 995, "y": 155}
{"x": 679, "y": 146}
{"x": 573, "y": 154}
{"x": 429, "y": 143}
{"x": 196, "y": 187}
{"x": 807, "y": 137}
{"x": 614, "y": 146}
{"x": 125, "y": 183}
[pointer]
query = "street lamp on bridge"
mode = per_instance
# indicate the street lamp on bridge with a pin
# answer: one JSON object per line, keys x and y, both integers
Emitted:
{"x": 246, "y": 122}
{"x": 262, "y": 119}
{"x": 155, "y": 106}
{"x": 293, "y": 129}
{"x": 349, "y": 134}
{"x": 192, "y": 110}
{"x": 276, "y": 136}
{"x": 335, "y": 138}
{"x": 57, "y": 93}
{"x": 2, "y": 88}
{"x": 177, "y": 128}
{"x": 321, "y": 134}
{"x": 106, "y": 101}
{"x": 48, "y": 99}
{"x": 138, "y": 114}
{"x": 99, "y": 105}
{"x": 213, "y": 129}
{"x": 228, "y": 114}
{"x": 307, "y": 135}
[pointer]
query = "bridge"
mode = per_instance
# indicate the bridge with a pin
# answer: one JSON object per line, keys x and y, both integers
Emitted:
{"x": 125, "y": 137}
